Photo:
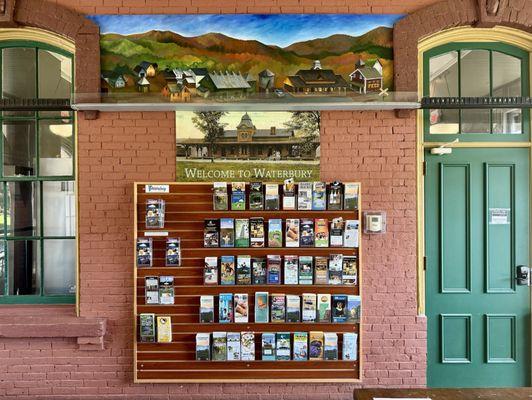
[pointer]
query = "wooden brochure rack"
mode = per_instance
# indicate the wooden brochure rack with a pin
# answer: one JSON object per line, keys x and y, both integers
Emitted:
{"x": 187, "y": 206}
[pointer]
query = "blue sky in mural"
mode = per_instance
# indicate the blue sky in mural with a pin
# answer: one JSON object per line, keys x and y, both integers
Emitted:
{"x": 274, "y": 29}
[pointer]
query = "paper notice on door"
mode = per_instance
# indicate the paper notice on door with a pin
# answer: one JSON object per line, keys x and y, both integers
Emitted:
{"x": 499, "y": 216}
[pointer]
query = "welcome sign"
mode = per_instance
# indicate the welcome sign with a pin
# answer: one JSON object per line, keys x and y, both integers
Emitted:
{"x": 241, "y": 146}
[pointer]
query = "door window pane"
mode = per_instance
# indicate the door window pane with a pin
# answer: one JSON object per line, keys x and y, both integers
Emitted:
{"x": 24, "y": 267}
{"x": 443, "y": 72}
{"x": 59, "y": 266}
{"x": 474, "y": 73}
{"x": 23, "y": 209}
{"x": 19, "y": 148}
{"x": 19, "y": 75}
{"x": 56, "y": 148}
{"x": 475, "y": 121}
{"x": 506, "y": 75}
{"x": 59, "y": 211}
{"x": 507, "y": 121}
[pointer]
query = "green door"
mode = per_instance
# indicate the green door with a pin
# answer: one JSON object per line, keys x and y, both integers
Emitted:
{"x": 476, "y": 224}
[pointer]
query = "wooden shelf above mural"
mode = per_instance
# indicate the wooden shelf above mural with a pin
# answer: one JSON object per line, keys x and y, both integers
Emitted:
{"x": 263, "y": 102}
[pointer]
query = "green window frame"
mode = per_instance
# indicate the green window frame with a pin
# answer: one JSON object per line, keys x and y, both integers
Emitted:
{"x": 38, "y": 235}
{"x": 503, "y": 48}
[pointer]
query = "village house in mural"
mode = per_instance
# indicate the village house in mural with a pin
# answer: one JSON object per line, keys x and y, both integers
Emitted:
{"x": 248, "y": 142}
{"x": 367, "y": 77}
{"x": 181, "y": 59}
{"x": 316, "y": 80}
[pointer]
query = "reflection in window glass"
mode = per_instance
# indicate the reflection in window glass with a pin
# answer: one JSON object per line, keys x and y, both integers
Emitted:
{"x": 444, "y": 121}
{"x": 55, "y": 75}
{"x": 59, "y": 213}
{"x": 475, "y": 121}
{"x": 507, "y": 121}
{"x": 443, "y": 71}
{"x": 474, "y": 73}
{"x": 59, "y": 266}
{"x": 55, "y": 78}
{"x": 24, "y": 267}
{"x": 19, "y": 148}
{"x": 506, "y": 75}
{"x": 56, "y": 148}
{"x": 19, "y": 75}
{"x": 23, "y": 208}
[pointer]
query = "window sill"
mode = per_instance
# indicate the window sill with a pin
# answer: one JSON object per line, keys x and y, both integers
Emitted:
{"x": 52, "y": 322}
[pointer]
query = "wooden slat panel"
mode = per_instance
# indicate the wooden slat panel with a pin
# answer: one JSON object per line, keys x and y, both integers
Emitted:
{"x": 243, "y": 365}
{"x": 256, "y": 375}
{"x": 187, "y": 206}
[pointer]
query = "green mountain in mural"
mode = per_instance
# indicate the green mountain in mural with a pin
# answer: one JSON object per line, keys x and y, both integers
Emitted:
{"x": 218, "y": 52}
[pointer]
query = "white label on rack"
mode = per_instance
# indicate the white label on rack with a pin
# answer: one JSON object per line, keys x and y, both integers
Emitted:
{"x": 157, "y": 188}
{"x": 155, "y": 233}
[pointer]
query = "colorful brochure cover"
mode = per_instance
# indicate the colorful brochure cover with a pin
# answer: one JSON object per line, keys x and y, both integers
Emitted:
{"x": 241, "y": 307}
{"x": 300, "y": 346}
{"x": 227, "y": 232}
{"x": 238, "y": 196}
{"x": 227, "y": 270}
{"x": 225, "y": 308}
{"x": 262, "y": 307}
{"x": 275, "y": 233}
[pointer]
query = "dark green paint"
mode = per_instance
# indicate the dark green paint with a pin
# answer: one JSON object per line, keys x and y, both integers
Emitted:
{"x": 478, "y": 318}
{"x": 36, "y": 117}
{"x": 474, "y": 137}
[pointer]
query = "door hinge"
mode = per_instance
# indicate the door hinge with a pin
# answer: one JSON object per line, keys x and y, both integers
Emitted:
{"x": 424, "y": 168}
{"x": 424, "y": 263}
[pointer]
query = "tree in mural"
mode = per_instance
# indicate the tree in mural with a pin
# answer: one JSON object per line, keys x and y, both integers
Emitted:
{"x": 208, "y": 122}
{"x": 308, "y": 123}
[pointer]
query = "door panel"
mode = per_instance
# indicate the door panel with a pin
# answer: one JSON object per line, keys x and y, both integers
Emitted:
{"x": 477, "y": 231}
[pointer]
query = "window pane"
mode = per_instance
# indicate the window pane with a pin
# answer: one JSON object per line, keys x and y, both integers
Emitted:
{"x": 24, "y": 267}
{"x": 19, "y": 148}
{"x": 443, "y": 71}
{"x": 56, "y": 148}
{"x": 474, "y": 73}
{"x": 59, "y": 209}
{"x": 475, "y": 121}
{"x": 507, "y": 121}
{"x": 59, "y": 266}
{"x": 19, "y": 75}
{"x": 506, "y": 75}
{"x": 2, "y": 211}
{"x": 55, "y": 78}
{"x": 2, "y": 267}
{"x": 444, "y": 122}
{"x": 23, "y": 209}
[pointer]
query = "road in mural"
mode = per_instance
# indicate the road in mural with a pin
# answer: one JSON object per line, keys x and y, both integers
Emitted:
{"x": 241, "y": 146}
{"x": 187, "y": 58}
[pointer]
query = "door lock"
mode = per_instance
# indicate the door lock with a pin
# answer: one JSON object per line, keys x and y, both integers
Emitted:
{"x": 522, "y": 275}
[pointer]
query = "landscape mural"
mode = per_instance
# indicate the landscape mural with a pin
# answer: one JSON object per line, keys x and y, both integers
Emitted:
{"x": 187, "y": 58}
{"x": 247, "y": 146}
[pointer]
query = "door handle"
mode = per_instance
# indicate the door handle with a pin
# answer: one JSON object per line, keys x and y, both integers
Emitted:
{"x": 522, "y": 275}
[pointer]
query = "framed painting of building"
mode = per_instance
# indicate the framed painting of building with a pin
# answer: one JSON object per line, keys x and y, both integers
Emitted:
{"x": 269, "y": 146}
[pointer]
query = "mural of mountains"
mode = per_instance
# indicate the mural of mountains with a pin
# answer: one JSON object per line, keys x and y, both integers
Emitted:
{"x": 218, "y": 52}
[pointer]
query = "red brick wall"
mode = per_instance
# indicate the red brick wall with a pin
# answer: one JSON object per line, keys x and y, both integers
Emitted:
{"x": 378, "y": 149}
{"x": 243, "y": 6}
{"x": 119, "y": 148}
